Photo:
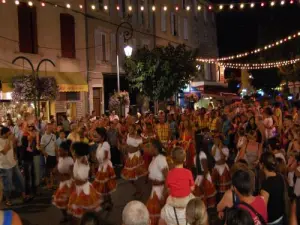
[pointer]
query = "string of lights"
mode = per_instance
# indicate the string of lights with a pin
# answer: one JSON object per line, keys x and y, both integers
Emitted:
{"x": 212, "y": 7}
{"x": 252, "y": 52}
{"x": 255, "y": 66}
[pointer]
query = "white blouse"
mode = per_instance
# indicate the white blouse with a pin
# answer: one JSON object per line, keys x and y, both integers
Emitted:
{"x": 64, "y": 164}
{"x": 157, "y": 165}
{"x": 100, "y": 155}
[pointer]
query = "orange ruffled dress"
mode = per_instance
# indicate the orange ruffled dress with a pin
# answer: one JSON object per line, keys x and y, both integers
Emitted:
{"x": 157, "y": 199}
{"x": 84, "y": 198}
{"x": 105, "y": 181}
{"x": 134, "y": 165}
{"x": 62, "y": 194}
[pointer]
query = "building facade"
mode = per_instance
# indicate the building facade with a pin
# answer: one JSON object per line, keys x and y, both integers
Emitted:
{"x": 80, "y": 38}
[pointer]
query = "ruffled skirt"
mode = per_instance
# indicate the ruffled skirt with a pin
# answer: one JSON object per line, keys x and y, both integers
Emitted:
{"x": 62, "y": 194}
{"x": 221, "y": 178}
{"x": 207, "y": 192}
{"x": 155, "y": 203}
{"x": 134, "y": 168}
{"x": 105, "y": 181}
{"x": 84, "y": 199}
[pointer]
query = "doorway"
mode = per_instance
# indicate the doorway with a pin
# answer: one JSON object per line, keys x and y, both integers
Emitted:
{"x": 97, "y": 100}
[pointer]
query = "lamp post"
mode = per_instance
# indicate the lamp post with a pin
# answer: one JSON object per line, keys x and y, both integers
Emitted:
{"x": 127, "y": 35}
{"x": 35, "y": 73}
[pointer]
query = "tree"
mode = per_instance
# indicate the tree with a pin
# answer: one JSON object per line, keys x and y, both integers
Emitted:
{"x": 265, "y": 79}
{"x": 162, "y": 72}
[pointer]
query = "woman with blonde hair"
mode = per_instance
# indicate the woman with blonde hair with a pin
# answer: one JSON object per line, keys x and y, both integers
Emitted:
{"x": 196, "y": 213}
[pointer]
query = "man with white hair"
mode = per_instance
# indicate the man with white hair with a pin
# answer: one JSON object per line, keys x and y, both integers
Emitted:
{"x": 135, "y": 213}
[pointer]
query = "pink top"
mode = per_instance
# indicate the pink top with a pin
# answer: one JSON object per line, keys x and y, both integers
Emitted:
{"x": 260, "y": 206}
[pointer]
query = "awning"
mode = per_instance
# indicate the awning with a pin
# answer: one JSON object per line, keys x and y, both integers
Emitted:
{"x": 67, "y": 81}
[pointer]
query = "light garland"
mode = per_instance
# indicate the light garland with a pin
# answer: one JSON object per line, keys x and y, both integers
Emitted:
{"x": 255, "y": 66}
{"x": 252, "y": 52}
{"x": 199, "y": 7}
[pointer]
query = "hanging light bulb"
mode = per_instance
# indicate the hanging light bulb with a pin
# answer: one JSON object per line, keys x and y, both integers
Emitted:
{"x": 210, "y": 7}
{"x": 3, "y": 1}
{"x": 282, "y": 2}
{"x": 221, "y": 7}
{"x": 262, "y": 4}
{"x": 130, "y": 8}
{"x": 199, "y": 7}
{"x": 68, "y": 5}
{"x": 17, "y": 2}
{"x": 176, "y": 8}
{"x": 105, "y": 7}
{"x": 252, "y": 5}
{"x": 153, "y": 8}
{"x": 118, "y": 7}
{"x": 242, "y": 6}
{"x": 165, "y": 8}
{"x": 93, "y": 7}
{"x": 81, "y": 6}
{"x": 231, "y": 6}
{"x": 272, "y": 4}
{"x": 142, "y": 8}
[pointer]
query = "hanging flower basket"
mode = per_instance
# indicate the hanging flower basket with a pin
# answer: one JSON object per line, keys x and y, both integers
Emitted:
{"x": 118, "y": 100}
{"x": 192, "y": 97}
{"x": 26, "y": 88}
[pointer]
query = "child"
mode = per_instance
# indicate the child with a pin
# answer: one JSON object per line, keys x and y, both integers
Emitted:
{"x": 180, "y": 181}
{"x": 64, "y": 168}
{"x": 61, "y": 138}
{"x": 84, "y": 198}
{"x": 105, "y": 182}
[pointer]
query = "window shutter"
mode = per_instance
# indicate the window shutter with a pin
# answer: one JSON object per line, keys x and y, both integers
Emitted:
{"x": 107, "y": 47}
{"x": 163, "y": 20}
{"x": 103, "y": 47}
{"x": 185, "y": 29}
{"x": 172, "y": 24}
{"x": 98, "y": 47}
{"x": 28, "y": 42}
{"x": 113, "y": 46}
{"x": 67, "y": 32}
{"x": 179, "y": 26}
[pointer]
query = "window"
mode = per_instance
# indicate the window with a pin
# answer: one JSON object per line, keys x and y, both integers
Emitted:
{"x": 183, "y": 4}
{"x": 68, "y": 96}
{"x": 67, "y": 35}
{"x": 174, "y": 24}
{"x": 185, "y": 29}
{"x": 102, "y": 46}
{"x": 163, "y": 20}
{"x": 28, "y": 42}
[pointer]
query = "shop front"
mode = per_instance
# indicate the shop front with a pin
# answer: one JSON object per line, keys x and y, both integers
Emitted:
{"x": 69, "y": 101}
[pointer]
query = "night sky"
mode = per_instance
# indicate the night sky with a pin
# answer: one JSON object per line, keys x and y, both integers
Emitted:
{"x": 247, "y": 29}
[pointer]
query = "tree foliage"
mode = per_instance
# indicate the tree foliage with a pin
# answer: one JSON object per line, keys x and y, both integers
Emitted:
{"x": 266, "y": 79}
{"x": 162, "y": 72}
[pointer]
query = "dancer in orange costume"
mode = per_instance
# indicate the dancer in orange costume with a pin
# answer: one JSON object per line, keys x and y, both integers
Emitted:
{"x": 105, "y": 181}
{"x": 84, "y": 198}
{"x": 66, "y": 186}
{"x": 187, "y": 137}
{"x": 134, "y": 166}
{"x": 204, "y": 187}
{"x": 158, "y": 170}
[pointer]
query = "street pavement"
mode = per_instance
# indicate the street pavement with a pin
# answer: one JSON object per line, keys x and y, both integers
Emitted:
{"x": 40, "y": 211}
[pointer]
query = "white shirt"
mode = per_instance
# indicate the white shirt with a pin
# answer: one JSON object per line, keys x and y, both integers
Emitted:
{"x": 6, "y": 161}
{"x": 269, "y": 132}
{"x": 157, "y": 165}
{"x": 100, "y": 153}
{"x": 50, "y": 141}
{"x": 64, "y": 164}
{"x": 168, "y": 215}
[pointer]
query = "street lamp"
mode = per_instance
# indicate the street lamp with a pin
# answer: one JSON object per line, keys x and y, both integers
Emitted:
{"x": 127, "y": 35}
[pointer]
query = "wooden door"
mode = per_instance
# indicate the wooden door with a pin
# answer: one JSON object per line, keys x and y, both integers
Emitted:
{"x": 97, "y": 100}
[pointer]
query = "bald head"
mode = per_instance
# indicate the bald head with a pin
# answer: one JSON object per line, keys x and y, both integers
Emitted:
{"x": 135, "y": 213}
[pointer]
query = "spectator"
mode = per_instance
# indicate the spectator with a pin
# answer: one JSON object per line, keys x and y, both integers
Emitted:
{"x": 242, "y": 183}
{"x": 196, "y": 212}
{"x": 238, "y": 216}
{"x": 74, "y": 135}
{"x": 8, "y": 166}
{"x": 272, "y": 189}
{"x": 135, "y": 213}
{"x": 49, "y": 149}
{"x": 90, "y": 218}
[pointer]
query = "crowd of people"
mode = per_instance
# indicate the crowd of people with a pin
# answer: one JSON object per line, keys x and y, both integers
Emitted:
{"x": 241, "y": 161}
